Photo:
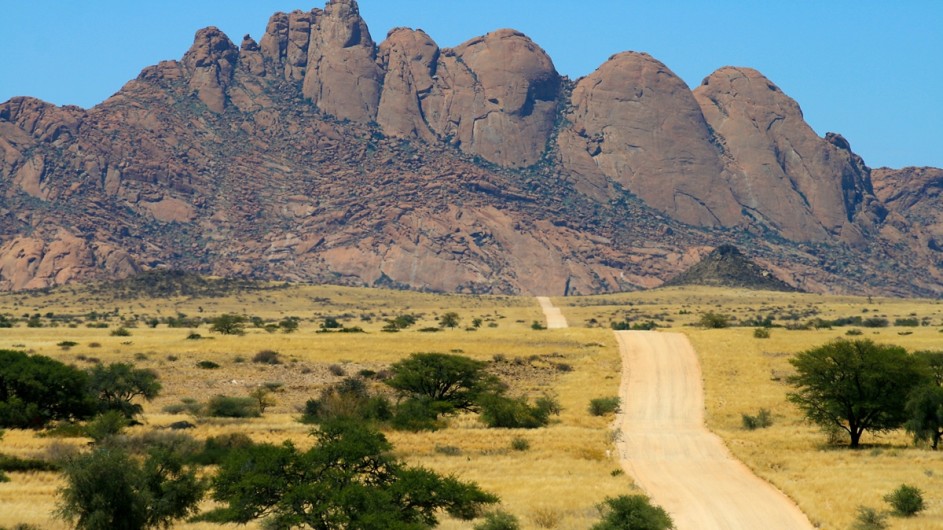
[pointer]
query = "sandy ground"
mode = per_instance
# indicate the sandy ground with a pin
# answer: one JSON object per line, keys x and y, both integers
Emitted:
{"x": 555, "y": 318}
{"x": 665, "y": 447}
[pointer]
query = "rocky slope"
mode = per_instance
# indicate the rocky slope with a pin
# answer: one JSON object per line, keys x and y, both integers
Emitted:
{"x": 726, "y": 266}
{"x": 316, "y": 154}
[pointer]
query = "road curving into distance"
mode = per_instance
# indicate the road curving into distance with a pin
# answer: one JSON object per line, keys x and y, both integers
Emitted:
{"x": 665, "y": 447}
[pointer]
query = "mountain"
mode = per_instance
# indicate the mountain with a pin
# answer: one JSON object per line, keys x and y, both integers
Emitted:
{"x": 726, "y": 266}
{"x": 316, "y": 154}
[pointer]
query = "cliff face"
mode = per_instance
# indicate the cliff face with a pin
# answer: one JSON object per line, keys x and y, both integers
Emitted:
{"x": 316, "y": 154}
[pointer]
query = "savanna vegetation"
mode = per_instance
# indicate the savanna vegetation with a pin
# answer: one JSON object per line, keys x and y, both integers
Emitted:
{"x": 302, "y": 358}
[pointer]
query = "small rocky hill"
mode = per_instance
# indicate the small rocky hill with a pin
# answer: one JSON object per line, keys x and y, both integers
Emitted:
{"x": 726, "y": 266}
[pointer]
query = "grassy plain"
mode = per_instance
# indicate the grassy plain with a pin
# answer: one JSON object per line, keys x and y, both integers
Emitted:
{"x": 558, "y": 481}
{"x": 555, "y": 483}
{"x": 743, "y": 374}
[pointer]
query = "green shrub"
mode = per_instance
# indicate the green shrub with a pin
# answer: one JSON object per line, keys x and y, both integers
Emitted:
{"x": 216, "y": 448}
{"x": 907, "y": 322}
{"x": 854, "y": 332}
{"x": 907, "y": 501}
{"x": 516, "y": 413}
{"x": 120, "y": 332}
{"x": 520, "y": 444}
{"x": 106, "y": 425}
{"x": 348, "y": 398}
{"x": 761, "y": 333}
{"x": 762, "y": 420}
{"x": 875, "y": 322}
{"x": 498, "y": 520}
{"x": 713, "y": 320}
{"x": 207, "y": 365}
{"x": 233, "y": 407}
{"x": 869, "y": 519}
{"x": 604, "y": 405}
{"x": 537, "y": 326}
{"x": 416, "y": 414}
{"x": 632, "y": 511}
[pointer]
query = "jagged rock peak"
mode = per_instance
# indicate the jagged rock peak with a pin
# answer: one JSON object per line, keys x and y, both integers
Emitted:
{"x": 726, "y": 266}
{"x": 211, "y": 62}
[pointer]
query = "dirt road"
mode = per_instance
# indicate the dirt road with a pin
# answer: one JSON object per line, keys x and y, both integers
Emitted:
{"x": 669, "y": 453}
{"x": 555, "y": 319}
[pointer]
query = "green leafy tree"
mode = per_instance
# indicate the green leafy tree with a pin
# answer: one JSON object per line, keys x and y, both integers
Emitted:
{"x": 934, "y": 360}
{"x": 229, "y": 324}
{"x": 347, "y": 480}
{"x": 109, "y": 489}
{"x": 449, "y": 320}
{"x": 925, "y": 415}
{"x": 447, "y": 382}
{"x": 35, "y": 390}
{"x": 634, "y": 512}
{"x": 856, "y": 386}
{"x": 117, "y": 386}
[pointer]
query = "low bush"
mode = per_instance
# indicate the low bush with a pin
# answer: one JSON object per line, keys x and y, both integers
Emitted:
{"x": 632, "y": 511}
{"x": 498, "y": 520}
{"x": 216, "y": 448}
{"x": 233, "y": 407}
{"x": 348, "y": 398}
{"x": 604, "y": 405}
{"x": 516, "y": 413}
{"x": 418, "y": 415}
{"x": 520, "y": 444}
{"x": 875, "y": 322}
{"x": 761, "y": 333}
{"x": 762, "y": 420}
{"x": 907, "y": 322}
{"x": 713, "y": 320}
{"x": 120, "y": 332}
{"x": 207, "y": 365}
{"x": 907, "y": 501}
{"x": 869, "y": 519}
{"x": 267, "y": 357}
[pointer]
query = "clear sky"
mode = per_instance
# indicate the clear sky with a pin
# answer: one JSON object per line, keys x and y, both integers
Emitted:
{"x": 870, "y": 70}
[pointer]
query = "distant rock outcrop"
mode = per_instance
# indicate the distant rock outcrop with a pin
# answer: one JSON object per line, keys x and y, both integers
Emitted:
{"x": 726, "y": 266}
{"x": 315, "y": 154}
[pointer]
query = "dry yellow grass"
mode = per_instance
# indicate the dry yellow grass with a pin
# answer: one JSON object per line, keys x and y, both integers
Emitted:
{"x": 743, "y": 374}
{"x": 559, "y": 479}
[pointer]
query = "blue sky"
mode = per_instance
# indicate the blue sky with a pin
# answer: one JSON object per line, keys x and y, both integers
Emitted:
{"x": 870, "y": 70}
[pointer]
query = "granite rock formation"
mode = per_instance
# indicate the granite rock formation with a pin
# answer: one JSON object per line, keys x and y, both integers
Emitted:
{"x": 316, "y": 154}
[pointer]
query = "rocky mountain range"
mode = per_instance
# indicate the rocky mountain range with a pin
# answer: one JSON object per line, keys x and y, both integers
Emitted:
{"x": 316, "y": 154}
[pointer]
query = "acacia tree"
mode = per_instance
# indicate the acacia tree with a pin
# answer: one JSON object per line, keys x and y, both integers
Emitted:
{"x": 450, "y": 382}
{"x": 347, "y": 480}
{"x": 117, "y": 386}
{"x": 35, "y": 390}
{"x": 856, "y": 386}
{"x": 925, "y": 415}
{"x": 109, "y": 489}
